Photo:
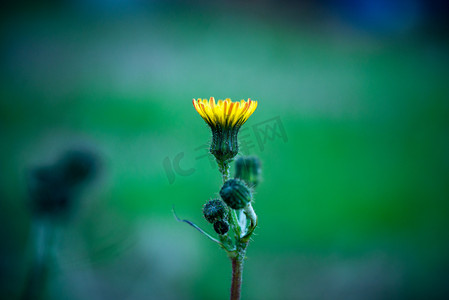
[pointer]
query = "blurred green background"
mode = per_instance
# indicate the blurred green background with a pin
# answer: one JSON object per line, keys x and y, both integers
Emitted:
{"x": 354, "y": 198}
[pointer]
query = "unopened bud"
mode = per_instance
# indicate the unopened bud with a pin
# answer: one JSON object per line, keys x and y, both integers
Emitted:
{"x": 214, "y": 210}
{"x": 221, "y": 227}
{"x": 235, "y": 193}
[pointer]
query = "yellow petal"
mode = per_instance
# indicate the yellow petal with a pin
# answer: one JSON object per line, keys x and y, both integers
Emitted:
{"x": 224, "y": 112}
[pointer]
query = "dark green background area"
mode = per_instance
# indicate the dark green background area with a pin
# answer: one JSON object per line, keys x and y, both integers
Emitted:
{"x": 353, "y": 205}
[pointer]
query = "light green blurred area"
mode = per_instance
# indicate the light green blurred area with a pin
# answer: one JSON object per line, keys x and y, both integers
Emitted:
{"x": 353, "y": 206}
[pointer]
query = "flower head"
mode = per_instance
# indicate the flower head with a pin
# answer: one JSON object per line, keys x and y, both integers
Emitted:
{"x": 224, "y": 113}
{"x": 225, "y": 119}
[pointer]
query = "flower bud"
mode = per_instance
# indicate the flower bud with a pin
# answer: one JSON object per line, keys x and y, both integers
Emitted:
{"x": 235, "y": 193}
{"x": 224, "y": 145}
{"x": 248, "y": 168}
{"x": 214, "y": 210}
{"x": 221, "y": 227}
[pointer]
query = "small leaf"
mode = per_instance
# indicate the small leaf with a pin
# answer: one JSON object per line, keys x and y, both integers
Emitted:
{"x": 199, "y": 229}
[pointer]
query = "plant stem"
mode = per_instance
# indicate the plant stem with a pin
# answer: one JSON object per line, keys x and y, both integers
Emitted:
{"x": 236, "y": 285}
{"x": 238, "y": 255}
{"x": 224, "y": 168}
{"x": 42, "y": 236}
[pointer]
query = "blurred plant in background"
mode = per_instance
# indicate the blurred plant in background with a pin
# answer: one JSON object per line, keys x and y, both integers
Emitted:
{"x": 53, "y": 197}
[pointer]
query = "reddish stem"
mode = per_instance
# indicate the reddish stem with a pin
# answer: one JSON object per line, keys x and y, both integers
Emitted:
{"x": 236, "y": 286}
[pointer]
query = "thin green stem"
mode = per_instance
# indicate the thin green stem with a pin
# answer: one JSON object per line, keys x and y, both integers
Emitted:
{"x": 224, "y": 168}
{"x": 228, "y": 246}
{"x": 235, "y": 223}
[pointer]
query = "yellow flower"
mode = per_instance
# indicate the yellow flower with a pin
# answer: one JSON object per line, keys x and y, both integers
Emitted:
{"x": 225, "y": 119}
{"x": 225, "y": 113}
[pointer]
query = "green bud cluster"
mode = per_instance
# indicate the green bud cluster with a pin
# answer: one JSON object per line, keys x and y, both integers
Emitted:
{"x": 248, "y": 168}
{"x": 235, "y": 193}
{"x": 215, "y": 212}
